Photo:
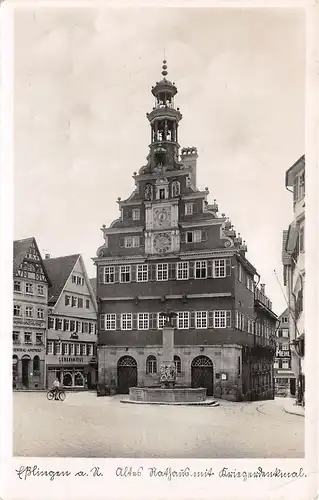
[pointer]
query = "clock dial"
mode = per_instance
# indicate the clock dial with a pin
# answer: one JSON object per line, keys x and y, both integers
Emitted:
{"x": 162, "y": 242}
{"x": 161, "y": 216}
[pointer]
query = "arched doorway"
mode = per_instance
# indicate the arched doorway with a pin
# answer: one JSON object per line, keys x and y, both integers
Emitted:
{"x": 126, "y": 374}
{"x": 203, "y": 374}
{"x": 25, "y": 360}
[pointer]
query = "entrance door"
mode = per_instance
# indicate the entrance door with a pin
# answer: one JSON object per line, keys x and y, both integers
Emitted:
{"x": 202, "y": 374}
{"x": 292, "y": 386}
{"x": 126, "y": 374}
{"x": 25, "y": 372}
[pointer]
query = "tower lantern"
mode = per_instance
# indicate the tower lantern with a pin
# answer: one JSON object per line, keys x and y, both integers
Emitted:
{"x": 164, "y": 119}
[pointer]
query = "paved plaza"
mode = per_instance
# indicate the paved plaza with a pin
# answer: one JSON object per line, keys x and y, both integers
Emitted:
{"x": 86, "y": 426}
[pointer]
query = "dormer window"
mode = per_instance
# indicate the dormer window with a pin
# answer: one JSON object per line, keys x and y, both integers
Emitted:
{"x": 136, "y": 214}
{"x": 189, "y": 208}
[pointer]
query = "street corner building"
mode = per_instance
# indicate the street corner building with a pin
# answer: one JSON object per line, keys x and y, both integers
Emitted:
{"x": 293, "y": 259}
{"x": 285, "y": 380}
{"x": 170, "y": 250}
{"x": 72, "y": 314}
{"x": 30, "y": 296}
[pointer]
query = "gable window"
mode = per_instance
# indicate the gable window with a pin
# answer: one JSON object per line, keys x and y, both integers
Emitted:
{"x": 16, "y": 310}
{"x": 29, "y": 288}
{"x": 29, "y": 312}
{"x": 182, "y": 270}
{"x": 73, "y": 279}
{"x": 221, "y": 268}
{"x": 125, "y": 274}
{"x": 240, "y": 272}
{"x": 74, "y": 302}
{"x": 87, "y": 304}
{"x": 109, "y": 274}
{"x": 142, "y": 272}
{"x": 72, "y": 325}
{"x": 200, "y": 269}
{"x": 143, "y": 321}
{"x": 302, "y": 185}
{"x": 41, "y": 290}
{"x": 66, "y": 325}
{"x": 162, "y": 272}
{"x": 136, "y": 214}
{"x": 17, "y": 286}
{"x": 110, "y": 321}
{"x": 92, "y": 328}
{"x": 77, "y": 349}
{"x": 131, "y": 241}
{"x": 58, "y": 324}
{"x": 201, "y": 319}
{"x": 285, "y": 319}
{"x": 80, "y": 302}
{"x": 40, "y": 313}
{"x": 183, "y": 320}
{"x": 90, "y": 349}
{"x": 151, "y": 365}
{"x": 189, "y": 208}
{"x": 39, "y": 338}
{"x": 67, "y": 300}
{"x": 85, "y": 327}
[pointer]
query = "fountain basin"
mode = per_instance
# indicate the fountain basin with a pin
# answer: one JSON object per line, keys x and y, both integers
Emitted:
{"x": 178, "y": 395}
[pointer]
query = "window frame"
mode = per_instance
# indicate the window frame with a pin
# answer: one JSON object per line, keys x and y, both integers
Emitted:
{"x": 183, "y": 319}
{"x": 200, "y": 268}
{"x": 110, "y": 318}
{"x": 181, "y": 267}
{"x": 126, "y": 321}
{"x": 144, "y": 320}
{"x": 201, "y": 316}
{"x": 164, "y": 269}
{"x": 140, "y": 272}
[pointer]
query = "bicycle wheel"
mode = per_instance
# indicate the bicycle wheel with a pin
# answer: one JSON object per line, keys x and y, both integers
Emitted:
{"x": 62, "y": 395}
{"x": 50, "y": 395}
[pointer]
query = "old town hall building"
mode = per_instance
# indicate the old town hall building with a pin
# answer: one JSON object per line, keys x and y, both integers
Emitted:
{"x": 170, "y": 250}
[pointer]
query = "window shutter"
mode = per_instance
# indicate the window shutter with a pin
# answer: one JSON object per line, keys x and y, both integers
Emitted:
{"x": 122, "y": 242}
{"x": 152, "y": 272}
{"x": 133, "y": 273}
{"x": 182, "y": 237}
{"x": 102, "y": 322}
{"x": 101, "y": 274}
{"x": 192, "y": 319}
{"x": 172, "y": 271}
{"x": 195, "y": 208}
{"x": 152, "y": 321}
{"x": 204, "y": 235}
{"x": 118, "y": 321}
{"x": 134, "y": 322}
{"x": 191, "y": 269}
{"x": 117, "y": 274}
{"x": 209, "y": 269}
{"x": 228, "y": 319}
{"x": 210, "y": 319}
{"x": 228, "y": 267}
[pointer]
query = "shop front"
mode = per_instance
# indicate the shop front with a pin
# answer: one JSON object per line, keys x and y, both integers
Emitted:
{"x": 28, "y": 368}
{"x": 73, "y": 372}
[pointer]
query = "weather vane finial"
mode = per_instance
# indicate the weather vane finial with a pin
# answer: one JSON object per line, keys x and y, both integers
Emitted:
{"x": 164, "y": 67}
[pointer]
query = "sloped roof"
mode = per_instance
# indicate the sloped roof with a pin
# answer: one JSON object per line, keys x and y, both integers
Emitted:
{"x": 93, "y": 285}
{"x": 20, "y": 249}
{"x": 59, "y": 269}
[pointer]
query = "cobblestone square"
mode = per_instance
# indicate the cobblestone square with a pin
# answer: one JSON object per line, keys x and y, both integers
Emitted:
{"x": 90, "y": 427}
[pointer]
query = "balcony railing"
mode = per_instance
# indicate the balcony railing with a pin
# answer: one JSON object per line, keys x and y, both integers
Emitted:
{"x": 263, "y": 299}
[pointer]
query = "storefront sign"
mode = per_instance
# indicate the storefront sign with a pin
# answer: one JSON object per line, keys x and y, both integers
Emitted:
{"x": 26, "y": 349}
{"x": 282, "y": 354}
{"x": 65, "y": 359}
{"x": 29, "y": 322}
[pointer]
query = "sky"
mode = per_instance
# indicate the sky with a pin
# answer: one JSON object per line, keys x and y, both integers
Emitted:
{"x": 82, "y": 90}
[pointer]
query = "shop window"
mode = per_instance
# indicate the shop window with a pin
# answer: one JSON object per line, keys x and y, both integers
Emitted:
{"x": 67, "y": 379}
{"x": 79, "y": 380}
{"x": 36, "y": 365}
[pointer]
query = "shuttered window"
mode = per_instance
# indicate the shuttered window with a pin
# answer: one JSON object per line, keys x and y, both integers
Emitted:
{"x": 200, "y": 269}
{"x": 221, "y": 268}
{"x": 143, "y": 321}
{"x": 162, "y": 272}
{"x": 110, "y": 321}
{"x": 142, "y": 272}
{"x": 109, "y": 274}
{"x": 126, "y": 321}
{"x": 222, "y": 319}
{"x": 183, "y": 320}
{"x": 201, "y": 319}
{"x": 125, "y": 274}
{"x": 182, "y": 270}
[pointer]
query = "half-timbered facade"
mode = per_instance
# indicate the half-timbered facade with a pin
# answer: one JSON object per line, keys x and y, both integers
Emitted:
{"x": 30, "y": 296}
{"x": 172, "y": 250}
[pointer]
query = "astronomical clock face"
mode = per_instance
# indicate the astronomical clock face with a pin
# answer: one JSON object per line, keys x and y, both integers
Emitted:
{"x": 162, "y": 242}
{"x": 162, "y": 217}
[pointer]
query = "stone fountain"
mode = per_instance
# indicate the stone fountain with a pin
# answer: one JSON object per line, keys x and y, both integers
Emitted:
{"x": 167, "y": 392}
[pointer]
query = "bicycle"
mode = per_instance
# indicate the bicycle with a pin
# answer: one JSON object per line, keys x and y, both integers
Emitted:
{"x": 60, "y": 396}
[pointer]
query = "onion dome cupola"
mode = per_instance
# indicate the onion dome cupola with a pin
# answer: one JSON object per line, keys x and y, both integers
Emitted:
{"x": 164, "y": 119}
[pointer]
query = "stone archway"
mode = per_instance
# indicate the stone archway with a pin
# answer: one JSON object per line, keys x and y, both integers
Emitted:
{"x": 202, "y": 373}
{"x": 126, "y": 374}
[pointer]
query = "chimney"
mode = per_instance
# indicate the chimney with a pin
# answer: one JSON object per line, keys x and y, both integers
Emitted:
{"x": 189, "y": 158}
{"x": 47, "y": 256}
{"x": 262, "y": 288}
